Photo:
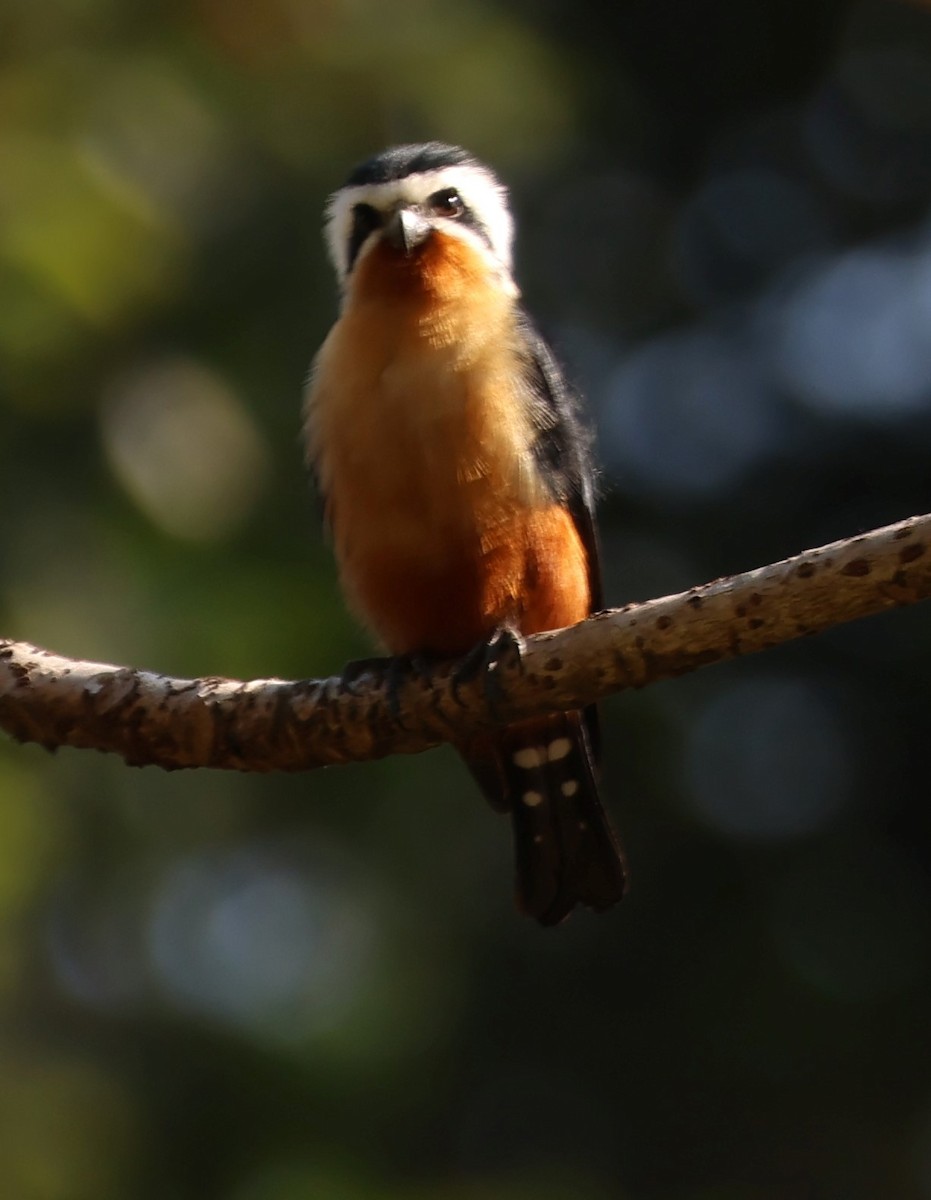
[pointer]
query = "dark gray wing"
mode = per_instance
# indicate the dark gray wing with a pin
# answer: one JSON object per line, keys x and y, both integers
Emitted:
{"x": 563, "y": 448}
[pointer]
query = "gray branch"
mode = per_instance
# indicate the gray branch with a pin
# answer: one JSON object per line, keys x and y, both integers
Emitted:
{"x": 272, "y": 724}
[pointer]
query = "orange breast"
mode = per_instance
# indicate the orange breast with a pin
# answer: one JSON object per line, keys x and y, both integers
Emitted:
{"x": 422, "y": 431}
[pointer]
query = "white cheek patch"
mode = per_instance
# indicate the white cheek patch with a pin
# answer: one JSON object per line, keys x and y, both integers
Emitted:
{"x": 480, "y": 190}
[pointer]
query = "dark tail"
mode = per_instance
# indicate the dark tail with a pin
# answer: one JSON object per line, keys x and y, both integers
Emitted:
{"x": 566, "y": 852}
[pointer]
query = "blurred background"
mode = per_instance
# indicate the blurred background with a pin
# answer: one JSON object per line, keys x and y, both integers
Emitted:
{"x": 276, "y": 988}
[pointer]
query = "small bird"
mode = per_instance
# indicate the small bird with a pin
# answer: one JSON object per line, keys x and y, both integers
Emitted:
{"x": 456, "y": 476}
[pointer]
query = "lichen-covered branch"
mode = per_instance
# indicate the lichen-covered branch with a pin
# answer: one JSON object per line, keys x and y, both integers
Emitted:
{"x": 271, "y": 724}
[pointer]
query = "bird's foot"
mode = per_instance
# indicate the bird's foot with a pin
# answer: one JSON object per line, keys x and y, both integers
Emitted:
{"x": 392, "y": 673}
{"x": 487, "y": 660}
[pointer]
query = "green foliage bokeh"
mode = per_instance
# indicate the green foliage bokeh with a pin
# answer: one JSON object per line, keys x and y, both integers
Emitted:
{"x": 278, "y": 988}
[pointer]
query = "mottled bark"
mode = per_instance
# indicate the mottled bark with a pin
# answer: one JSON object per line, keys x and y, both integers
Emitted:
{"x": 271, "y": 724}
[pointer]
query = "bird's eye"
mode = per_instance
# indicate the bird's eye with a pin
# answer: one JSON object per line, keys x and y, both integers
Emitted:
{"x": 447, "y": 203}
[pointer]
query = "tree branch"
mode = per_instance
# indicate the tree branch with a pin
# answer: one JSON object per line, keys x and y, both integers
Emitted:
{"x": 271, "y": 724}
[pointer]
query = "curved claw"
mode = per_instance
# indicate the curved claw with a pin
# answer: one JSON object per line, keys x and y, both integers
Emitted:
{"x": 486, "y": 659}
{"x": 401, "y": 668}
{"x": 394, "y": 672}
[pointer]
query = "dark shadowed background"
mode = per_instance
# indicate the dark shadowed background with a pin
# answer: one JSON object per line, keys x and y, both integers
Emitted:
{"x": 289, "y": 987}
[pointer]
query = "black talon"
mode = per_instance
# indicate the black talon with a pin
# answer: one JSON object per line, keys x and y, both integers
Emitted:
{"x": 389, "y": 672}
{"x": 485, "y": 659}
{"x": 420, "y": 666}
{"x": 392, "y": 673}
{"x": 400, "y": 670}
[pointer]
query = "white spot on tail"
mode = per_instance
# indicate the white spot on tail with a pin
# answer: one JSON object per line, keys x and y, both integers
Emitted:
{"x": 532, "y": 799}
{"x": 570, "y": 787}
{"x": 558, "y": 748}
{"x": 528, "y": 758}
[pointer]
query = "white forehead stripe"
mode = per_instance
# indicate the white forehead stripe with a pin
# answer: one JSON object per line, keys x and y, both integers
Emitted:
{"x": 479, "y": 189}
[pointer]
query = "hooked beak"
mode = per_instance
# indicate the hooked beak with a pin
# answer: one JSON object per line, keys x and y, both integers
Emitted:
{"x": 406, "y": 229}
